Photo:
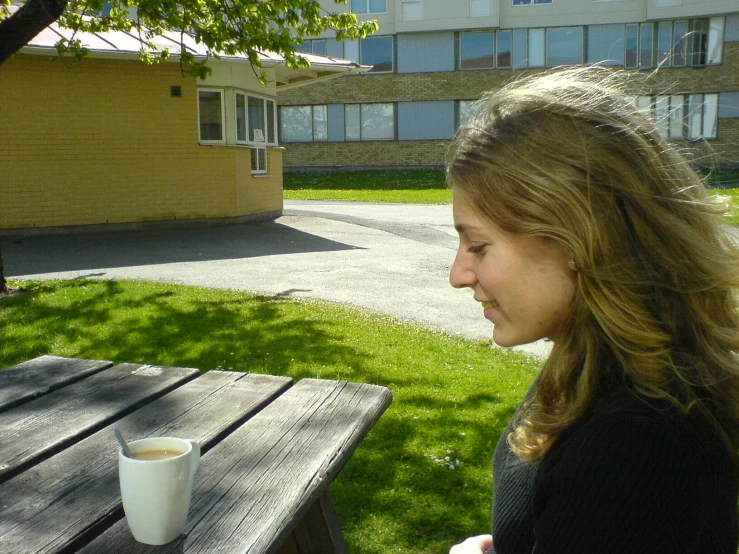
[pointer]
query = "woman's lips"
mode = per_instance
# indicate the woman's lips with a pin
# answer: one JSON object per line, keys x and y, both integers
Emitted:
{"x": 489, "y": 309}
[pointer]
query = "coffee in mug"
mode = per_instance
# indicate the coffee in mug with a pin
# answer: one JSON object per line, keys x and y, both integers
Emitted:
{"x": 156, "y": 486}
{"x": 160, "y": 454}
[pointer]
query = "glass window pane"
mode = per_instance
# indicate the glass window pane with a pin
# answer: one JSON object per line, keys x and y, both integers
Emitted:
{"x": 378, "y": 122}
{"x": 240, "y": 118}
{"x": 536, "y": 47}
{"x": 466, "y": 111}
{"x": 664, "y": 42}
{"x": 378, "y": 6}
{"x": 259, "y": 160}
{"x": 715, "y": 39}
{"x": 699, "y": 42}
{"x": 632, "y": 45}
{"x": 378, "y": 52}
{"x": 695, "y": 109}
{"x": 359, "y": 6}
{"x": 662, "y": 114}
{"x": 710, "y": 116}
{"x": 352, "y": 122}
{"x": 646, "y": 52}
{"x": 503, "y": 48}
{"x": 542, "y": 1}
{"x": 305, "y": 48}
{"x": 564, "y": 46}
{"x": 679, "y": 43}
{"x": 334, "y": 48}
{"x": 677, "y": 128}
{"x": 271, "y": 122}
{"x": 210, "y": 110}
{"x": 256, "y": 120}
{"x": 351, "y": 50}
{"x": 521, "y": 2}
{"x": 319, "y": 47}
{"x": 296, "y": 124}
{"x": 320, "y": 125}
{"x": 476, "y": 50}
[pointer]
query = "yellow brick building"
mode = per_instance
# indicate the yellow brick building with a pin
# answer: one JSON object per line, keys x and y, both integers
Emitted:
{"x": 111, "y": 140}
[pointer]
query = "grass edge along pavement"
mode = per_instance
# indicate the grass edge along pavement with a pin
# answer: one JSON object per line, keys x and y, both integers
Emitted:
{"x": 428, "y": 186}
{"x": 419, "y": 481}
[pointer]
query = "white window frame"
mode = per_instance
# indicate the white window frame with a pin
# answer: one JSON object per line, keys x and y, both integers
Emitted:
{"x": 222, "y": 140}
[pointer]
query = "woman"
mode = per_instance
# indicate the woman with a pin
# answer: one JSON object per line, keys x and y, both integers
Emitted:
{"x": 580, "y": 224}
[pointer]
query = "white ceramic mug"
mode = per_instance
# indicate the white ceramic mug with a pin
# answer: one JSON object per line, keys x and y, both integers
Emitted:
{"x": 156, "y": 493}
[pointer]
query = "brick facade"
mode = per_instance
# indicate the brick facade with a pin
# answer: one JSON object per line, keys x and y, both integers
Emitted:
{"x": 102, "y": 141}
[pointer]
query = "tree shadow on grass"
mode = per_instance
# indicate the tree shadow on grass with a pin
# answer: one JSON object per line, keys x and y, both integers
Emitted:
{"x": 389, "y": 479}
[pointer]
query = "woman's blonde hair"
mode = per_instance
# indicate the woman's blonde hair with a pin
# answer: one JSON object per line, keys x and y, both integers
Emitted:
{"x": 569, "y": 157}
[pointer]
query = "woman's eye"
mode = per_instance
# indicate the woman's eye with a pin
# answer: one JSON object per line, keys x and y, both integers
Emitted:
{"x": 476, "y": 249}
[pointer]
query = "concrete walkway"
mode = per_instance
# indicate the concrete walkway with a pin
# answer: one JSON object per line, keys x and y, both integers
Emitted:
{"x": 389, "y": 258}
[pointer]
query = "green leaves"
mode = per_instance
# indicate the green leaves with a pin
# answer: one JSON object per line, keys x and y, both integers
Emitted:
{"x": 223, "y": 27}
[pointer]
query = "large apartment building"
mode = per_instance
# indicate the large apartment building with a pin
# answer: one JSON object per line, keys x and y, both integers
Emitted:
{"x": 434, "y": 58}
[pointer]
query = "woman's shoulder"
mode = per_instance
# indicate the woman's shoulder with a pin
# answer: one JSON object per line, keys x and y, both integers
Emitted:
{"x": 639, "y": 434}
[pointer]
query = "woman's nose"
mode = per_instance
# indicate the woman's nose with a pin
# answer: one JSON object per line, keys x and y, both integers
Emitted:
{"x": 461, "y": 274}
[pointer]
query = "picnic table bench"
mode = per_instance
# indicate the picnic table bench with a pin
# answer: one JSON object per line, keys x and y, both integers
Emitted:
{"x": 270, "y": 449}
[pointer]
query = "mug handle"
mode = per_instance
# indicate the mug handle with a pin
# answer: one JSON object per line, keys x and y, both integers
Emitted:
{"x": 195, "y": 457}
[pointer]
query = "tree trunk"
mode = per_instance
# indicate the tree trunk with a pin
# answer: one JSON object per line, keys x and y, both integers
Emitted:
{"x": 3, "y": 284}
{"x": 31, "y": 18}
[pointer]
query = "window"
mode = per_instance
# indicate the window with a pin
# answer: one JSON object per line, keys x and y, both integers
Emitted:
{"x": 664, "y": 42}
{"x": 684, "y": 116}
{"x": 564, "y": 46}
{"x": 378, "y": 52}
{"x": 303, "y": 123}
{"x": 640, "y": 45}
{"x": 412, "y": 10}
{"x": 480, "y": 8}
{"x": 536, "y": 47}
{"x": 476, "y": 50}
{"x": 503, "y": 49}
{"x": 465, "y": 111}
{"x": 369, "y": 6}
{"x": 255, "y": 126}
{"x": 528, "y": 2}
{"x": 695, "y": 42}
{"x": 211, "y": 115}
{"x": 369, "y": 121}
{"x": 680, "y": 44}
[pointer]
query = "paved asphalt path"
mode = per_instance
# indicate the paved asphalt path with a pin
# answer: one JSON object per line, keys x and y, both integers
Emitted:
{"x": 389, "y": 258}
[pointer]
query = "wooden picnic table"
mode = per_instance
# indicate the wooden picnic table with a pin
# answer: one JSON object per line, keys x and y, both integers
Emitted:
{"x": 270, "y": 449}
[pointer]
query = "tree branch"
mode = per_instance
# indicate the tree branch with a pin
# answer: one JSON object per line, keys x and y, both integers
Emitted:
{"x": 31, "y": 18}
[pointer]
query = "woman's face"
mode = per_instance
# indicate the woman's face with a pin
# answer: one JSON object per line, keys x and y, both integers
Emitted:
{"x": 525, "y": 284}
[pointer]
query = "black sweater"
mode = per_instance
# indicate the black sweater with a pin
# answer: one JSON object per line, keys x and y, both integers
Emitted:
{"x": 632, "y": 478}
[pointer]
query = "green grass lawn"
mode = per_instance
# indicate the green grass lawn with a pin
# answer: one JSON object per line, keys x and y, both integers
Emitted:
{"x": 417, "y": 186}
{"x": 426, "y": 186}
{"x": 398, "y": 494}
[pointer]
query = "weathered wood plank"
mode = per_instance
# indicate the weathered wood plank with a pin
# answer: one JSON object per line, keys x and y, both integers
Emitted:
{"x": 23, "y": 382}
{"x": 59, "y": 504}
{"x": 253, "y": 488}
{"x": 35, "y": 430}
{"x": 319, "y": 532}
